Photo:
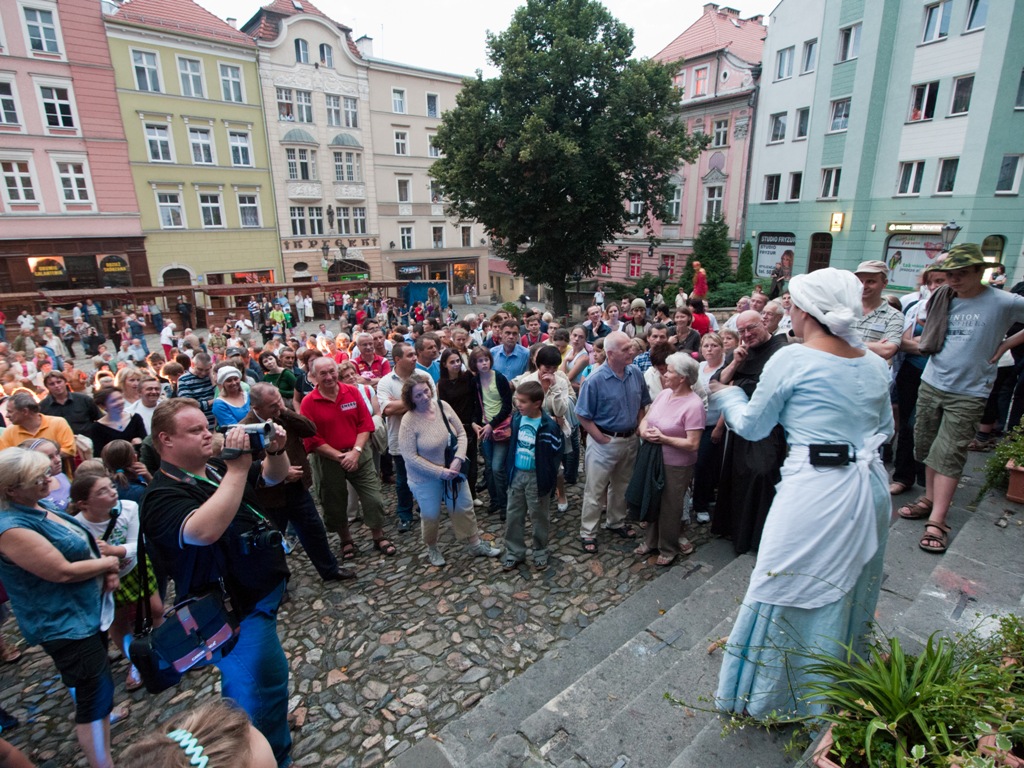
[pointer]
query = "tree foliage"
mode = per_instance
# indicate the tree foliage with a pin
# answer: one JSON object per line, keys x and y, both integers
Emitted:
{"x": 745, "y": 268}
{"x": 546, "y": 154}
{"x": 711, "y": 249}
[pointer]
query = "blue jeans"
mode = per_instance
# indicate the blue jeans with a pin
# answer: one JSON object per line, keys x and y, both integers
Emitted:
{"x": 404, "y": 510}
{"x": 300, "y": 511}
{"x": 497, "y": 479}
{"x": 255, "y": 674}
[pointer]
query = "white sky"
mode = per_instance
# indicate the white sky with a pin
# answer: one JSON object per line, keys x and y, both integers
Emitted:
{"x": 449, "y": 35}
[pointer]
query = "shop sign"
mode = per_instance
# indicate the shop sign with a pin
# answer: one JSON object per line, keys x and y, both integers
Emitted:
{"x": 409, "y": 269}
{"x": 771, "y": 246}
{"x": 921, "y": 227}
{"x": 252, "y": 277}
{"x": 112, "y": 265}
{"x": 354, "y": 276}
{"x": 48, "y": 268}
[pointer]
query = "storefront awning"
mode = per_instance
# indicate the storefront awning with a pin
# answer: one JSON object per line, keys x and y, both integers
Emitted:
{"x": 89, "y": 293}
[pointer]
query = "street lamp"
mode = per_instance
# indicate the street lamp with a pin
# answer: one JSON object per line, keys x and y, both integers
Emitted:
{"x": 949, "y": 232}
{"x": 663, "y": 273}
{"x": 326, "y": 261}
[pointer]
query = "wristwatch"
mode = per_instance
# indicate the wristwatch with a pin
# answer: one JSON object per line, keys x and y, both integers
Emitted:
{"x": 275, "y": 453}
{"x": 357, "y": 449}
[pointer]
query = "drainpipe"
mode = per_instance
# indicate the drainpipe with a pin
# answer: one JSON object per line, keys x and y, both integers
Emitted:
{"x": 755, "y": 72}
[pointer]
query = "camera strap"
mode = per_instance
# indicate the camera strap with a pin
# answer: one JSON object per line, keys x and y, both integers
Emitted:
{"x": 201, "y": 479}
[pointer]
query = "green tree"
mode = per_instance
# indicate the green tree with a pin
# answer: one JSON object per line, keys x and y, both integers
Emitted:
{"x": 745, "y": 268}
{"x": 546, "y": 154}
{"x": 711, "y": 249}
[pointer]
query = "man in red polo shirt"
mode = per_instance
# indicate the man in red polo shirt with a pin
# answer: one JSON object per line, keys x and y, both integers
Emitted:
{"x": 343, "y": 427}
{"x": 370, "y": 365}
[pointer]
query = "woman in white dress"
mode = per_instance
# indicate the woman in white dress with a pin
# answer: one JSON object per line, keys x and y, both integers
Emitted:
{"x": 819, "y": 567}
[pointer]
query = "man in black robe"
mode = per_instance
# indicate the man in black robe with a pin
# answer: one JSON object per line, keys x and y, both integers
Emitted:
{"x": 750, "y": 469}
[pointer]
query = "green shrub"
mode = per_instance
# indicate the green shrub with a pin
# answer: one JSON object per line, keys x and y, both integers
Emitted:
{"x": 512, "y": 308}
{"x": 727, "y": 294}
{"x": 745, "y": 268}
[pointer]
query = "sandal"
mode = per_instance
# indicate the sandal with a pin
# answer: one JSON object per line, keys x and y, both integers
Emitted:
{"x": 510, "y": 563}
{"x": 589, "y": 546}
{"x": 936, "y": 543}
{"x": 687, "y": 549}
{"x": 896, "y": 488}
{"x": 977, "y": 444}
{"x": 349, "y": 550}
{"x": 385, "y": 547}
{"x": 919, "y": 510}
{"x": 10, "y": 654}
{"x": 643, "y": 550}
{"x": 134, "y": 680}
{"x": 541, "y": 560}
{"x": 624, "y": 531}
{"x": 665, "y": 560}
{"x": 119, "y": 714}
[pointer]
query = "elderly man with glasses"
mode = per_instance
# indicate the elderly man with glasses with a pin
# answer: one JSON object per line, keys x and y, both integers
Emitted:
{"x": 750, "y": 469}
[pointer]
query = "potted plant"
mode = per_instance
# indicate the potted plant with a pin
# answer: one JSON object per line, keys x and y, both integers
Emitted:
{"x": 1005, "y": 467}
{"x": 894, "y": 710}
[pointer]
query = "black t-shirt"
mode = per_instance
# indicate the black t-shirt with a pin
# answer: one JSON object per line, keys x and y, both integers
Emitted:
{"x": 248, "y": 578}
{"x": 79, "y": 411}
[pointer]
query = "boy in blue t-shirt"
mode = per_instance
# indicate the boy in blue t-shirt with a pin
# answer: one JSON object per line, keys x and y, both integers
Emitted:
{"x": 532, "y": 466}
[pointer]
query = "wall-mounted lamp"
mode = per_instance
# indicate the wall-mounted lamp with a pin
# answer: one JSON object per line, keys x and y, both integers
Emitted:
{"x": 391, "y": 245}
{"x": 949, "y": 233}
{"x": 837, "y": 222}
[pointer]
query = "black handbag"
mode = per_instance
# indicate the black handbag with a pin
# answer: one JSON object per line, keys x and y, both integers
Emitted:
{"x": 198, "y": 631}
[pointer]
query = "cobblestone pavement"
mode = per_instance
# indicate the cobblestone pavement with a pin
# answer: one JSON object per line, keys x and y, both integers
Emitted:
{"x": 382, "y": 661}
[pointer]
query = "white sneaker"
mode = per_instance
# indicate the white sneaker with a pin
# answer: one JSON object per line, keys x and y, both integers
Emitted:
{"x": 564, "y": 506}
{"x": 435, "y": 557}
{"x": 482, "y": 549}
{"x": 477, "y": 503}
{"x": 703, "y": 517}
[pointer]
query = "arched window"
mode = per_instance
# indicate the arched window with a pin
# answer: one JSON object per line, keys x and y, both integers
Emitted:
{"x": 301, "y": 51}
{"x": 992, "y": 248}
{"x": 326, "y": 56}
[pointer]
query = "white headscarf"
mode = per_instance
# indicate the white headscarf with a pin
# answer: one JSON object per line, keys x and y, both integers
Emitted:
{"x": 833, "y": 298}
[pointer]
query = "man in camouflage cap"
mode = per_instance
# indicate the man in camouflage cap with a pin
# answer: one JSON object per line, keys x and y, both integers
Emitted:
{"x": 957, "y": 381}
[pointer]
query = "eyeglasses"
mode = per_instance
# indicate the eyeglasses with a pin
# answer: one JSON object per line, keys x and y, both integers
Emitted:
{"x": 748, "y": 329}
{"x": 39, "y": 482}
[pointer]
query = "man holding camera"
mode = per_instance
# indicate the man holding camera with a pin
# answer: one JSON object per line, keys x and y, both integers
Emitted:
{"x": 203, "y": 518}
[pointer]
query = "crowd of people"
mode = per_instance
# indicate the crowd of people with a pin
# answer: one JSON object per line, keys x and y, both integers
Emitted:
{"x": 769, "y": 427}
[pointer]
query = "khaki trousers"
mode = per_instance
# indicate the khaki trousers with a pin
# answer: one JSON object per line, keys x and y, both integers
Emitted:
{"x": 609, "y": 469}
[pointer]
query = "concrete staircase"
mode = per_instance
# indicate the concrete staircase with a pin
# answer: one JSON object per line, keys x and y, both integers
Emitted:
{"x": 600, "y": 701}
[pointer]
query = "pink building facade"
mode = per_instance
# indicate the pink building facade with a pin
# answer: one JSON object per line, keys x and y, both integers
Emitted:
{"x": 717, "y": 62}
{"x": 68, "y": 214}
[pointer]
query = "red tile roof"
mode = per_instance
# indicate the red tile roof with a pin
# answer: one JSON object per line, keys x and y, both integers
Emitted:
{"x": 716, "y": 31}
{"x": 182, "y": 16}
{"x": 266, "y": 22}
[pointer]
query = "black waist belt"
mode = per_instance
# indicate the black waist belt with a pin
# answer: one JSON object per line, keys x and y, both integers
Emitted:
{"x": 627, "y": 433}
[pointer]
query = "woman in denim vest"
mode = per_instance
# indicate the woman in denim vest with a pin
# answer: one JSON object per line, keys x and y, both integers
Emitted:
{"x": 60, "y": 585}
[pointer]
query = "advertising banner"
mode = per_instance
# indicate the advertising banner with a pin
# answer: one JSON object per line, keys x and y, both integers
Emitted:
{"x": 907, "y": 254}
{"x": 770, "y": 248}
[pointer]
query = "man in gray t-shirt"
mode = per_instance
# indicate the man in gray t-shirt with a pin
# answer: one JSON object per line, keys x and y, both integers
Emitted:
{"x": 956, "y": 382}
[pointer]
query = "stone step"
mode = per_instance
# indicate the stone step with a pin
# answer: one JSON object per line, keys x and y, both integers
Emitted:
{"x": 749, "y": 747}
{"x": 981, "y": 574}
{"x": 652, "y": 654}
{"x": 649, "y": 731}
{"x": 494, "y": 722}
